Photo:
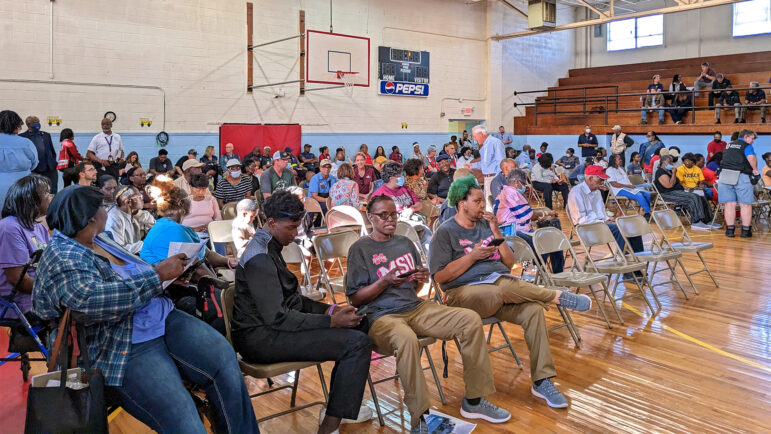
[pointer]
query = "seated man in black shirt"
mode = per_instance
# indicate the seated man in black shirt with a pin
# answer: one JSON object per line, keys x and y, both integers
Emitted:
{"x": 477, "y": 276}
{"x": 439, "y": 184}
{"x": 723, "y": 95}
{"x": 161, "y": 165}
{"x": 377, "y": 284}
{"x": 273, "y": 323}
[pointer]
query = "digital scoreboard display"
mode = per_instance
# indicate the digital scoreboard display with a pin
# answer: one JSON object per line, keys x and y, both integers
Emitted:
{"x": 403, "y": 72}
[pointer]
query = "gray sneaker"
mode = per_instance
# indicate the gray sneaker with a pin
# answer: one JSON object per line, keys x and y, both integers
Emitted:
{"x": 420, "y": 428}
{"x": 578, "y": 302}
{"x": 484, "y": 410}
{"x": 548, "y": 391}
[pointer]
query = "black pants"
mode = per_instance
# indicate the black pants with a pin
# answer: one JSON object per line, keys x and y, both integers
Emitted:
{"x": 350, "y": 349}
{"x": 547, "y": 189}
{"x": 53, "y": 179}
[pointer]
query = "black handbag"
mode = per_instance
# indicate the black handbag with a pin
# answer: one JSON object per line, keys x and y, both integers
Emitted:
{"x": 62, "y": 409}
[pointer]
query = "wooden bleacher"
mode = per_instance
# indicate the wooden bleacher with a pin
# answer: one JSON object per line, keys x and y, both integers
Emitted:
{"x": 634, "y": 78}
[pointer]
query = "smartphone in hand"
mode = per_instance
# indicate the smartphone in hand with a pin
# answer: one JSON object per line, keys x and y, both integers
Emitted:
{"x": 407, "y": 274}
{"x": 496, "y": 242}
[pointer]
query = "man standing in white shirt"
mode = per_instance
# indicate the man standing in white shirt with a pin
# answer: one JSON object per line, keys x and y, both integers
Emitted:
{"x": 585, "y": 205}
{"x": 491, "y": 154}
{"x": 105, "y": 150}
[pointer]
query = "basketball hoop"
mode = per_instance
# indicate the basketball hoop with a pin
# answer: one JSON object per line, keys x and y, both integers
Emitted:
{"x": 348, "y": 80}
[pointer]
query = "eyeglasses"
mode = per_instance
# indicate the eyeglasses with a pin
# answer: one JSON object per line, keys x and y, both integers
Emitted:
{"x": 386, "y": 215}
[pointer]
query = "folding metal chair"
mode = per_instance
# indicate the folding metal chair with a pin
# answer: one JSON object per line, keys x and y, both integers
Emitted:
{"x": 312, "y": 206}
{"x": 7, "y": 305}
{"x": 229, "y": 210}
{"x": 532, "y": 193}
{"x": 548, "y": 240}
{"x": 617, "y": 264}
{"x": 524, "y": 255}
{"x": 294, "y": 254}
{"x": 658, "y": 251}
{"x": 623, "y": 204}
{"x": 333, "y": 246}
{"x": 221, "y": 231}
{"x": 345, "y": 217}
{"x": 667, "y": 220}
{"x": 269, "y": 370}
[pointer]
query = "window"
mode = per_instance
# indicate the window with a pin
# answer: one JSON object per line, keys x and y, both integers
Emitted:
{"x": 752, "y": 18}
{"x": 636, "y": 33}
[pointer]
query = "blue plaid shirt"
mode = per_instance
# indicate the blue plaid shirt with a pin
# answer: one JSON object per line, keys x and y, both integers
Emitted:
{"x": 71, "y": 275}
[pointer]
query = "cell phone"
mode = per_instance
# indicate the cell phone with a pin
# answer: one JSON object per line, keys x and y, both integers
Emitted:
{"x": 407, "y": 274}
{"x": 189, "y": 272}
{"x": 496, "y": 242}
{"x": 361, "y": 310}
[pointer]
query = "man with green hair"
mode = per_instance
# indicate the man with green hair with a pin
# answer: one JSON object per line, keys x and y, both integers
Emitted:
{"x": 476, "y": 274}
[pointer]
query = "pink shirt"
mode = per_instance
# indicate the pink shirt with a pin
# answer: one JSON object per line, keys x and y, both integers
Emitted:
{"x": 403, "y": 197}
{"x": 513, "y": 208}
{"x": 202, "y": 212}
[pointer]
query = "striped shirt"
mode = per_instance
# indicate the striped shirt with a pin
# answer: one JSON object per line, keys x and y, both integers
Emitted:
{"x": 511, "y": 208}
{"x": 233, "y": 193}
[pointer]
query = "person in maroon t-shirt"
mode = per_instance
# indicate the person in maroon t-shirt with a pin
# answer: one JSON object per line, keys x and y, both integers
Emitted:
{"x": 715, "y": 146}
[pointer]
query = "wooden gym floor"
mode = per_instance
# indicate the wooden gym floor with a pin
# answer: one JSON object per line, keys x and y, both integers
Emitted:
{"x": 699, "y": 365}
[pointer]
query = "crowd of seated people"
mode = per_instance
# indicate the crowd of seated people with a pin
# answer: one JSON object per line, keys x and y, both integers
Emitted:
{"x": 115, "y": 237}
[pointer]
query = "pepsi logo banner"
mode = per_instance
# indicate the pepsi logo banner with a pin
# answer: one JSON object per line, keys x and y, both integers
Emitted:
{"x": 402, "y": 88}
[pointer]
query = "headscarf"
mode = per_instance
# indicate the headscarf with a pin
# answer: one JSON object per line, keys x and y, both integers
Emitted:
{"x": 72, "y": 208}
{"x": 459, "y": 188}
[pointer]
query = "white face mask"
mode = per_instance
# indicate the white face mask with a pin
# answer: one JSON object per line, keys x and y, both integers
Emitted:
{"x": 235, "y": 173}
{"x": 588, "y": 130}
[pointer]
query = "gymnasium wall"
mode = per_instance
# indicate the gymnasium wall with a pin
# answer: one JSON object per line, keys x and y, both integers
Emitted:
{"x": 191, "y": 55}
{"x": 698, "y": 33}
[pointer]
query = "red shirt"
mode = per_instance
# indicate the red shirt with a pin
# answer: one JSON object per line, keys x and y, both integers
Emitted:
{"x": 711, "y": 177}
{"x": 365, "y": 181}
{"x": 715, "y": 147}
{"x": 69, "y": 155}
{"x": 368, "y": 160}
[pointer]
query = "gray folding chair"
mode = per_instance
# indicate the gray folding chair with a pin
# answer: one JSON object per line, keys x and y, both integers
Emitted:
{"x": 333, "y": 246}
{"x": 523, "y": 254}
{"x": 658, "y": 250}
{"x": 269, "y": 370}
{"x": 667, "y": 220}
{"x": 346, "y": 217}
{"x": 617, "y": 264}
{"x": 548, "y": 240}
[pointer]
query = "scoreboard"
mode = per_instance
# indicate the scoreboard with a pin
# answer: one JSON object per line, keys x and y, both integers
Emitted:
{"x": 403, "y": 72}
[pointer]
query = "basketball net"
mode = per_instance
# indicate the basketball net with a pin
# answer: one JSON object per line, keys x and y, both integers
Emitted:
{"x": 348, "y": 80}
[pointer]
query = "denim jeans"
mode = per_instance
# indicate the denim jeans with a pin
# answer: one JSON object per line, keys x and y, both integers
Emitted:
{"x": 643, "y": 198}
{"x": 644, "y": 114}
{"x": 153, "y": 392}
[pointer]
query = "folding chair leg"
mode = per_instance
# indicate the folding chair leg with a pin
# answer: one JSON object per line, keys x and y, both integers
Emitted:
{"x": 490, "y": 334}
{"x": 436, "y": 376}
{"x": 568, "y": 326}
{"x": 706, "y": 267}
{"x": 508, "y": 343}
{"x": 572, "y": 324}
{"x": 600, "y": 308}
{"x": 676, "y": 279}
{"x": 687, "y": 275}
{"x": 613, "y": 301}
{"x": 294, "y": 387}
{"x": 323, "y": 383}
{"x": 375, "y": 400}
{"x": 641, "y": 285}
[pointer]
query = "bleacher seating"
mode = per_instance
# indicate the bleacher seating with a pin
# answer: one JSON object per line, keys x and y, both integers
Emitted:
{"x": 633, "y": 78}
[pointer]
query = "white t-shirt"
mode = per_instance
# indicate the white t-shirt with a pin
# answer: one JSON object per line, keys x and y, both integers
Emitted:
{"x": 105, "y": 147}
{"x": 619, "y": 175}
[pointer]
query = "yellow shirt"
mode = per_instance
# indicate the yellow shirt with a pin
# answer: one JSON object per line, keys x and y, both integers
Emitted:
{"x": 689, "y": 178}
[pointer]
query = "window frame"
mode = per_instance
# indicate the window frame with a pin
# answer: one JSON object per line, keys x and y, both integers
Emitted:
{"x": 733, "y": 21}
{"x": 636, "y": 36}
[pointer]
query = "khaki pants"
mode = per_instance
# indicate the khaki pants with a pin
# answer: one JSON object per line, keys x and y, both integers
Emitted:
{"x": 398, "y": 334}
{"x": 518, "y": 302}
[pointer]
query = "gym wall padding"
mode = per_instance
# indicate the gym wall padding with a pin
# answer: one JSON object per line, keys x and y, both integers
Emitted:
{"x": 245, "y": 137}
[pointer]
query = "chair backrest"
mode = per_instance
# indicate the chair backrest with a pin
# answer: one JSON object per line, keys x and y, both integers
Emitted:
{"x": 229, "y": 211}
{"x": 667, "y": 219}
{"x": 549, "y": 239}
{"x": 227, "y": 297}
{"x": 633, "y": 226}
{"x": 221, "y": 231}
{"x": 522, "y": 250}
{"x": 312, "y": 205}
{"x": 406, "y": 230}
{"x": 293, "y": 254}
{"x": 436, "y": 225}
{"x": 595, "y": 234}
{"x": 334, "y": 244}
{"x": 345, "y": 215}
{"x": 636, "y": 179}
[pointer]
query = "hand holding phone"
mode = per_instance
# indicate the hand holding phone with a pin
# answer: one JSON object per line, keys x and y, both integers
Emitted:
{"x": 407, "y": 274}
{"x": 496, "y": 242}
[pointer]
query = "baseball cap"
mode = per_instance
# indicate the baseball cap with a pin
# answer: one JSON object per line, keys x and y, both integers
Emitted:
{"x": 442, "y": 157}
{"x": 192, "y": 163}
{"x": 192, "y": 151}
{"x": 674, "y": 153}
{"x": 326, "y": 162}
{"x": 380, "y": 159}
{"x": 595, "y": 170}
{"x": 281, "y": 155}
{"x": 233, "y": 162}
{"x": 664, "y": 151}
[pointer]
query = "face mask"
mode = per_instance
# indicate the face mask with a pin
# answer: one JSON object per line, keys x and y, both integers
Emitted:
{"x": 669, "y": 167}
{"x": 400, "y": 181}
{"x": 235, "y": 173}
{"x": 588, "y": 130}
{"x": 522, "y": 189}
{"x": 36, "y": 126}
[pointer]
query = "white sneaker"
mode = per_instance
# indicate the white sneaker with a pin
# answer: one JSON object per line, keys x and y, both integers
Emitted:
{"x": 365, "y": 414}
{"x": 700, "y": 226}
{"x": 717, "y": 226}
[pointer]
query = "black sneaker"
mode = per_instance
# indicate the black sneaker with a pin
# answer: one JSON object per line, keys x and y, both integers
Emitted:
{"x": 762, "y": 120}
{"x": 746, "y": 231}
{"x": 729, "y": 231}
{"x": 736, "y": 121}
{"x": 717, "y": 122}
{"x": 744, "y": 121}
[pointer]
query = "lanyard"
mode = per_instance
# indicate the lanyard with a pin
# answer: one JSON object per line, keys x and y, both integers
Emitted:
{"x": 109, "y": 143}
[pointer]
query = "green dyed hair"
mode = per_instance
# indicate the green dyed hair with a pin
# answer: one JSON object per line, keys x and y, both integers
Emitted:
{"x": 460, "y": 188}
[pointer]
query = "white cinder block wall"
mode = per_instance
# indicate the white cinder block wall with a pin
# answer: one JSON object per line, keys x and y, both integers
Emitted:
{"x": 193, "y": 51}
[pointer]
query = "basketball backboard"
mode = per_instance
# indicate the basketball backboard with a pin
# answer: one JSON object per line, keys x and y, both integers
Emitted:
{"x": 327, "y": 53}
